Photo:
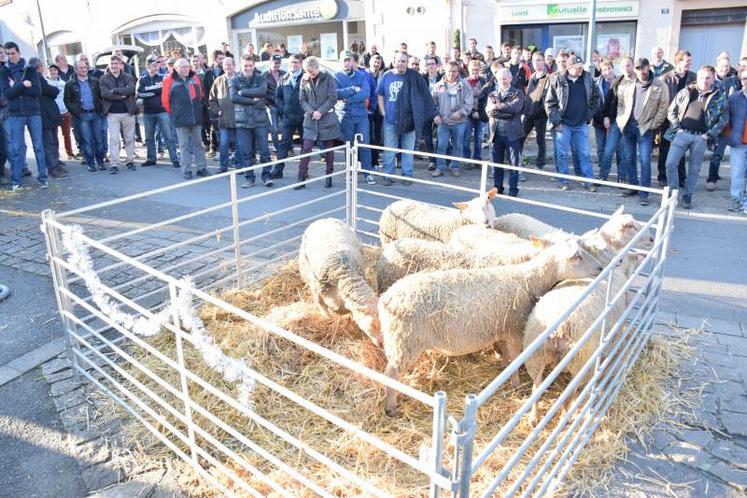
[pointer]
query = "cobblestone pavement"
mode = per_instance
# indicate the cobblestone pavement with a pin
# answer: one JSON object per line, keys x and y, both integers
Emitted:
{"x": 705, "y": 455}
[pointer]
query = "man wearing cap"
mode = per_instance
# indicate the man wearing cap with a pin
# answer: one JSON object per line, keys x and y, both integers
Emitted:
{"x": 273, "y": 76}
{"x": 21, "y": 86}
{"x": 353, "y": 92}
{"x": 550, "y": 61}
{"x": 641, "y": 109}
{"x": 149, "y": 89}
{"x": 118, "y": 103}
{"x": 571, "y": 102}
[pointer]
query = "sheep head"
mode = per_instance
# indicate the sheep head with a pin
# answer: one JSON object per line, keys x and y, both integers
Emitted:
{"x": 572, "y": 260}
{"x": 621, "y": 228}
{"x": 368, "y": 321}
{"x": 479, "y": 211}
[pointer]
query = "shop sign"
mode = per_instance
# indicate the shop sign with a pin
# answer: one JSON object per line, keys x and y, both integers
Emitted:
{"x": 309, "y": 11}
{"x": 566, "y": 11}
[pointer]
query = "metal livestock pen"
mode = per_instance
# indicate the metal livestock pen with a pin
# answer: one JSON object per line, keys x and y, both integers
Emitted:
{"x": 120, "y": 282}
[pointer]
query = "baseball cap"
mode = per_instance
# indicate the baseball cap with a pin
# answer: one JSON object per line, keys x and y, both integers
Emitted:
{"x": 346, "y": 54}
{"x": 277, "y": 57}
{"x": 549, "y": 51}
{"x": 641, "y": 61}
{"x": 152, "y": 59}
{"x": 171, "y": 61}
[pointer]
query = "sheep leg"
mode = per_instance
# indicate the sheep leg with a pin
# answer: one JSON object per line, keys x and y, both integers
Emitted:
{"x": 536, "y": 371}
{"x": 513, "y": 350}
{"x": 390, "y": 395}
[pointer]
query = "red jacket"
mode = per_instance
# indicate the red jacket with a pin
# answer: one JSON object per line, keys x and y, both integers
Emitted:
{"x": 182, "y": 99}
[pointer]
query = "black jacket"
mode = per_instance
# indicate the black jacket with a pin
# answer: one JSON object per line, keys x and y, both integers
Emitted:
{"x": 72, "y": 95}
{"x": 149, "y": 90}
{"x": 249, "y": 94}
{"x": 272, "y": 87}
{"x": 534, "y": 104}
{"x": 50, "y": 113}
{"x": 287, "y": 101}
{"x": 415, "y": 105}
{"x": 118, "y": 89}
{"x": 22, "y": 101}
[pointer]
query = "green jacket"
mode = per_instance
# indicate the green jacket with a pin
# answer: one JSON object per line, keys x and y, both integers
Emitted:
{"x": 716, "y": 111}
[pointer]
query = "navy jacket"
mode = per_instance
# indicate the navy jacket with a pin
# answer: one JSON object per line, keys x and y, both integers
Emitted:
{"x": 415, "y": 106}
{"x": 737, "y": 118}
{"x": 22, "y": 101}
{"x": 50, "y": 113}
{"x": 149, "y": 89}
{"x": 287, "y": 101}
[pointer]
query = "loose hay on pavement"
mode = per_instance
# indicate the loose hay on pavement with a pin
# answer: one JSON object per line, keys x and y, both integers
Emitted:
{"x": 283, "y": 300}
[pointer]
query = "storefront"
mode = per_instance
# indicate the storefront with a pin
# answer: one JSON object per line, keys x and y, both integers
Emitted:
{"x": 169, "y": 35}
{"x": 565, "y": 26}
{"x": 326, "y": 26}
{"x": 708, "y": 32}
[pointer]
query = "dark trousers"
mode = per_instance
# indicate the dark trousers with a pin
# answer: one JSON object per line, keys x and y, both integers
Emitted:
{"x": 51, "y": 147}
{"x": 716, "y": 158}
{"x": 502, "y": 147}
{"x": 664, "y": 145}
{"x": 329, "y": 157}
{"x": 286, "y": 141}
{"x": 3, "y": 152}
{"x": 539, "y": 124}
{"x": 427, "y": 133}
{"x": 375, "y": 122}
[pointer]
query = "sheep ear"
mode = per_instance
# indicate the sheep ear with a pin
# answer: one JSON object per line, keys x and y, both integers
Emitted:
{"x": 619, "y": 211}
{"x": 539, "y": 242}
{"x": 460, "y": 205}
{"x": 492, "y": 193}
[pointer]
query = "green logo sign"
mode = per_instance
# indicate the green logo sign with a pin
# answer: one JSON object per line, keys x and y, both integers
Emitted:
{"x": 328, "y": 8}
{"x": 556, "y": 10}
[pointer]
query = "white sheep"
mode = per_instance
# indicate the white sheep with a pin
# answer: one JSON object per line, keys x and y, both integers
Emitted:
{"x": 413, "y": 219}
{"x": 407, "y": 256}
{"x": 565, "y": 336}
{"x": 618, "y": 228}
{"x": 330, "y": 262}
{"x": 457, "y": 312}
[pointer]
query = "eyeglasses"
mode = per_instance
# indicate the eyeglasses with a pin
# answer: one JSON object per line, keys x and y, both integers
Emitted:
{"x": 430, "y": 63}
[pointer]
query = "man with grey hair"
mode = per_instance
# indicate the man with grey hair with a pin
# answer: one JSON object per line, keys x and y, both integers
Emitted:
{"x": 181, "y": 96}
{"x": 222, "y": 111}
{"x": 504, "y": 108}
{"x": 658, "y": 65}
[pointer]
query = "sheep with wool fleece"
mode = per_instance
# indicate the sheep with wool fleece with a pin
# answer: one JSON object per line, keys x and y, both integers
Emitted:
{"x": 566, "y": 335}
{"x": 457, "y": 312}
{"x": 407, "y": 256}
{"x": 330, "y": 262}
{"x": 413, "y": 219}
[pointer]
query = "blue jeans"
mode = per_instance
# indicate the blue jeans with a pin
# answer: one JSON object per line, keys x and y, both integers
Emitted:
{"x": 473, "y": 125}
{"x": 398, "y": 141}
{"x": 502, "y": 147}
{"x": 226, "y": 137}
{"x": 17, "y": 147}
{"x": 682, "y": 143}
{"x": 163, "y": 121}
{"x": 104, "y": 132}
{"x": 611, "y": 145}
{"x": 600, "y": 134}
{"x": 576, "y": 162}
{"x": 455, "y": 132}
{"x": 350, "y": 126}
{"x": 91, "y": 140}
{"x": 576, "y": 137}
{"x": 738, "y": 157}
{"x": 644, "y": 144}
{"x": 248, "y": 142}
{"x": 716, "y": 158}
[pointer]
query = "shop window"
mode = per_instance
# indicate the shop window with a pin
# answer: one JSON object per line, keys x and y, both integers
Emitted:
{"x": 616, "y": 40}
{"x": 323, "y": 39}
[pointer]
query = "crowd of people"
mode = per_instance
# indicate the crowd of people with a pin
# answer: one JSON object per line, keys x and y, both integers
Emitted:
{"x": 451, "y": 103}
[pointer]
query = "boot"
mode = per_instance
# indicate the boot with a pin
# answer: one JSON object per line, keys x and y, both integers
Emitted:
{"x": 301, "y": 178}
{"x": 328, "y": 183}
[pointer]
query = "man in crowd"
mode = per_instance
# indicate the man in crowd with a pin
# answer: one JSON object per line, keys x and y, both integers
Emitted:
{"x": 571, "y": 102}
{"x": 550, "y": 61}
{"x": 505, "y": 106}
{"x": 353, "y": 92}
{"x": 289, "y": 111}
{"x": 374, "y": 50}
{"x": 676, "y": 79}
{"x": 266, "y": 52}
{"x": 250, "y": 52}
{"x": 697, "y": 115}
{"x": 414, "y": 63}
{"x": 472, "y": 50}
{"x": 273, "y": 76}
{"x": 477, "y": 117}
{"x": 21, "y": 87}
{"x": 222, "y": 111}
{"x": 430, "y": 51}
{"x": 432, "y": 76}
{"x": 52, "y": 119}
{"x": 453, "y": 97}
{"x": 248, "y": 91}
{"x": 613, "y": 141}
{"x": 535, "y": 117}
{"x": 505, "y": 53}
{"x": 181, "y": 96}
{"x": 641, "y": 108}
{"x": 149, "y": 90}
{"x": 54, "y": 79}
{"x": 738, "y": 145}
{"x": 659, "y": 66}
{"x": 406, "y": 104}
{"x": 603, "y": 119}
{"x": 83, "y": 100}
{"x": 118, "y": 103}
{"x": 728, "y": 83}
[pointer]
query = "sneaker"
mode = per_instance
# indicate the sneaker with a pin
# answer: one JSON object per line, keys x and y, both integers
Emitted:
{"x": 370, "y": 179}
{"x": 628, "y": 192}
{"x": 437, "y": 173}
{"x": 148, "y": 163}
{"x": 58, "y": 173}
{"x": 91, "y": 168}
{"x": 202, "y": 172}
{"x": 687, "y": 202}
{"x": 15, "y": 187}
{"x": 591, "y": 188}
{"x": 211, "y": 154}
{"x": 114, "y": 170}
{"x": 102, "y": 167}
{"x": 276, "y": 175}
{"x": 735, "y": 207}
{"x": 43, "y": 184}
{"x": 249, "y": 183}
{"x": 188, "y": 175}
{"x": 269, "y": 182}
{"x": 522, "y": 178}
{"x": 107, "y": 159}
{"x": 643, "y": 201}
{"x": 131, "y": 167}
{"x": 565, "y": 187}
{"x": 711, "y": 186}
{"x": 176, "y": 164}
{"x": 455, "y": 172}
{"x": 406, "y": 182}
{"x": 26, "y": 172}
{"x": 432, "y": 167}
{"x": 388, "y": 181}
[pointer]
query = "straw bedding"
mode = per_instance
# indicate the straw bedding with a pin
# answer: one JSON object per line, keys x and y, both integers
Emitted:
{"x": 283, "y": 300}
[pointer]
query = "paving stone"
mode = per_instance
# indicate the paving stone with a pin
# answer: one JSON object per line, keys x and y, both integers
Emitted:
{"x": 7, "y": 374}
{"x": 91, "y": 453}
{"x": 55, "y": 365}
{"x": 729, "y": 390}
{"x": 724, "y": 327}
{"x": 662, "y": 439}
{"x": 101, "y": 476}
{"x": 683, "y": 452}
{"x": 689, "y": 322}
{"x": 69, "y": 400}
{"x": 64, "y": 386}
{"x": 733, "y": 453}
{"x": 735, "y": 423}
{"x": 736, "y": 345}
{"x": 58, "y": 376}
{"x": 695, "y": 437}
{"x": 75, "y": 416}
{"x": 733, "y": 476}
